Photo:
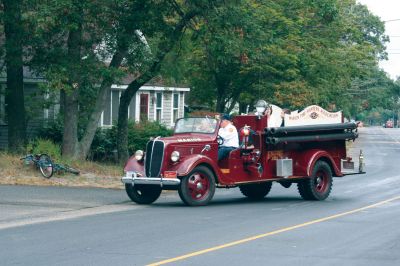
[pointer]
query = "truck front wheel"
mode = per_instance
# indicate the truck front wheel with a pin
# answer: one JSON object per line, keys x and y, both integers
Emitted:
{"x": 256, "y": 191}
{"x": 198, "y": 187}
{"x": 143, "y": 194}
{"x": 319, "y": 186}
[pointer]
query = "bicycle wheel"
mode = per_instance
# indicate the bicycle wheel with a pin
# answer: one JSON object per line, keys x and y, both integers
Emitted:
{"x": 45, "y": 165}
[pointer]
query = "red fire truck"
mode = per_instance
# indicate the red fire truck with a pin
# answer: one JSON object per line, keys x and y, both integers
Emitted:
{"x": 308, "y": 155}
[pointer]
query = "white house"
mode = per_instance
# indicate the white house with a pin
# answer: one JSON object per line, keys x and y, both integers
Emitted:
{"x": 152, "y": 102}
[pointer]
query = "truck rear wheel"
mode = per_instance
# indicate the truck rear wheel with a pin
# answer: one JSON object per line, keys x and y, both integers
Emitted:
{"x": 256, "y": 191}
{"x": 143, "y": 194}
{"x": 319, "y": 186}
{"x": 198, "y": 187}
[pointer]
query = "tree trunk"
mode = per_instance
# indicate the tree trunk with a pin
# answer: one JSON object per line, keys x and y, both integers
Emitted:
{"x": 101, "y": 101}
{"x": 71, "y": 108}
{"x": 220, "y": 107}
{"x": 15, "y": 105}
{"x": 70, "y": 135}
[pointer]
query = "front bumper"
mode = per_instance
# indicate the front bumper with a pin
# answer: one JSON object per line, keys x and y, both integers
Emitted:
{"x": 133, "y": 178}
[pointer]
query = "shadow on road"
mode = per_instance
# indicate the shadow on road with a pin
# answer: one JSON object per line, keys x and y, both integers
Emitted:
{"x": 231, "y": 201}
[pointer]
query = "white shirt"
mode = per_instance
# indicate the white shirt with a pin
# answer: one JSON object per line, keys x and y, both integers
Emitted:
{"x": 230, "y": 136}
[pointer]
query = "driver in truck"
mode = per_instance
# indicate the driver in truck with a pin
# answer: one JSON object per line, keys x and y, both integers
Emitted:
{"x": 229, "y": 134}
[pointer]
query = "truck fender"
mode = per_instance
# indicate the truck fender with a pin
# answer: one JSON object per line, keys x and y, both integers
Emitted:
{"x": 314, "y": 155}
{"x": 133, "y": 165}
{"x": 194, "y": 160}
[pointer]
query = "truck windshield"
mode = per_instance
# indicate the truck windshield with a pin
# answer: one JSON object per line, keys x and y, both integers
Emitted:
{"x": 196, "y": 125}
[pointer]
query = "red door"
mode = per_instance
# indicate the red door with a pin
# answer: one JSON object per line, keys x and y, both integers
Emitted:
{"x": 144, "y": 107}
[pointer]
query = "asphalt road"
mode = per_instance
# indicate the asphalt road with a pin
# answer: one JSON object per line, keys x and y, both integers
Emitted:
{"x": 357, "y": 225}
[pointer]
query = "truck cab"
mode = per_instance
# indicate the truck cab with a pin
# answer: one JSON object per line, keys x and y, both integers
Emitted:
{"x": 308, "y": 155}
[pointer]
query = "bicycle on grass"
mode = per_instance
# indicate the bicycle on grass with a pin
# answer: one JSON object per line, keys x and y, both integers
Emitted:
{"x": 57, "y": 167}
{"x": 42, "y": 162}
{"x": 46, "y": 166}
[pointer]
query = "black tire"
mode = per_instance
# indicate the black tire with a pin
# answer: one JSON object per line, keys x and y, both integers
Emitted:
{"x": 319, "y": 185}
{"x": 256, "y": 191}
{"x": 143, "y": 194}
{"x": 198, "y": 187}
{"x": 45, "y": 166}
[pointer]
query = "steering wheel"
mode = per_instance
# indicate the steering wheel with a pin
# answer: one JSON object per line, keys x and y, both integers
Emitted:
{"x": 220, "y": 140}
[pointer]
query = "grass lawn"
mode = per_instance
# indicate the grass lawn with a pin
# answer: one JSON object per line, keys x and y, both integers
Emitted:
{"x": 13, "y": 171}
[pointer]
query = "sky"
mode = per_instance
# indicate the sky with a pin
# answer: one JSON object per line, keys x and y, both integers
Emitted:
{"x": 388, "y": 11}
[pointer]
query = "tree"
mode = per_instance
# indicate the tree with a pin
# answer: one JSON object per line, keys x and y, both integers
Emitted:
{"x": 233, "y": 52}
{"x": 85, "y": 47}
{"x": 15, "y": 107}
{"x": 80, "y": 47}
{"x": 293, "y": 53}
{"x": 172, "y": 18}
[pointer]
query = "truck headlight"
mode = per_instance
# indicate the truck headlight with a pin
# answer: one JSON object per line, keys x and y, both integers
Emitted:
{"x": 175, "y": 156}
{"x": 139, "y": 155}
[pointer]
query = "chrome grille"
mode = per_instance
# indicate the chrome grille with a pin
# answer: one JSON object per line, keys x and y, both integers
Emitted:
{"x": 154, "y": 158}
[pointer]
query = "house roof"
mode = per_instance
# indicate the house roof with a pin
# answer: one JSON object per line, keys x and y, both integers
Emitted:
{"x": 157, "y": 81}
{"x": 152, "y": 88}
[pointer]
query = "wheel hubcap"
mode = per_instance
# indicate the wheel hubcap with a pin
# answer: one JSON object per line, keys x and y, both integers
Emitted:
{"x": 198, "y": 186}
{"x": 321, "y": 182}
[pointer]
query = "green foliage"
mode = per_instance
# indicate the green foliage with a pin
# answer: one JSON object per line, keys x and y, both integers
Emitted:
{"x": 293, "y": 53}
{"x": 140, "y": 133}
{"x": 47, "y": 146}
{"x": 104, "y": 145}
{"x": 53, "y": 131}
{"x": 105, "y": 142}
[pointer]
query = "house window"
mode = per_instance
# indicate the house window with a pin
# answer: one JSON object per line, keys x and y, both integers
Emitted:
{"x": 46, "y": 110}
{"x": 144, "y": 107}
{"x": 175, "y": 107}
{"x": 110, "y": 113}
{"x": 107, "y": 111}
{"x": 132, "y": 107}
{"x": 114, "y": 106}
{"x": 158, "y": 102}
{"x": 2, "y": 106}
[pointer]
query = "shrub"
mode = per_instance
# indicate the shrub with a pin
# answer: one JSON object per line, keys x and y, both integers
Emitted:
{"x": 140, "y": 133}
{"x": 52, "y": 131}
{"x": 46, "y": 146}
{"x": 104, "y": 144}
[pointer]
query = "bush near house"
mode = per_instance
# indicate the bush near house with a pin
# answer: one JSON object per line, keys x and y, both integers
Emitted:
{"x": 140, "y": 133}
{"x": 46, "y": 146}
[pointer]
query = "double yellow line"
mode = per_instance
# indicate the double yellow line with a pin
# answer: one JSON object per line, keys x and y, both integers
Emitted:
{"x": 238, "y": 242}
